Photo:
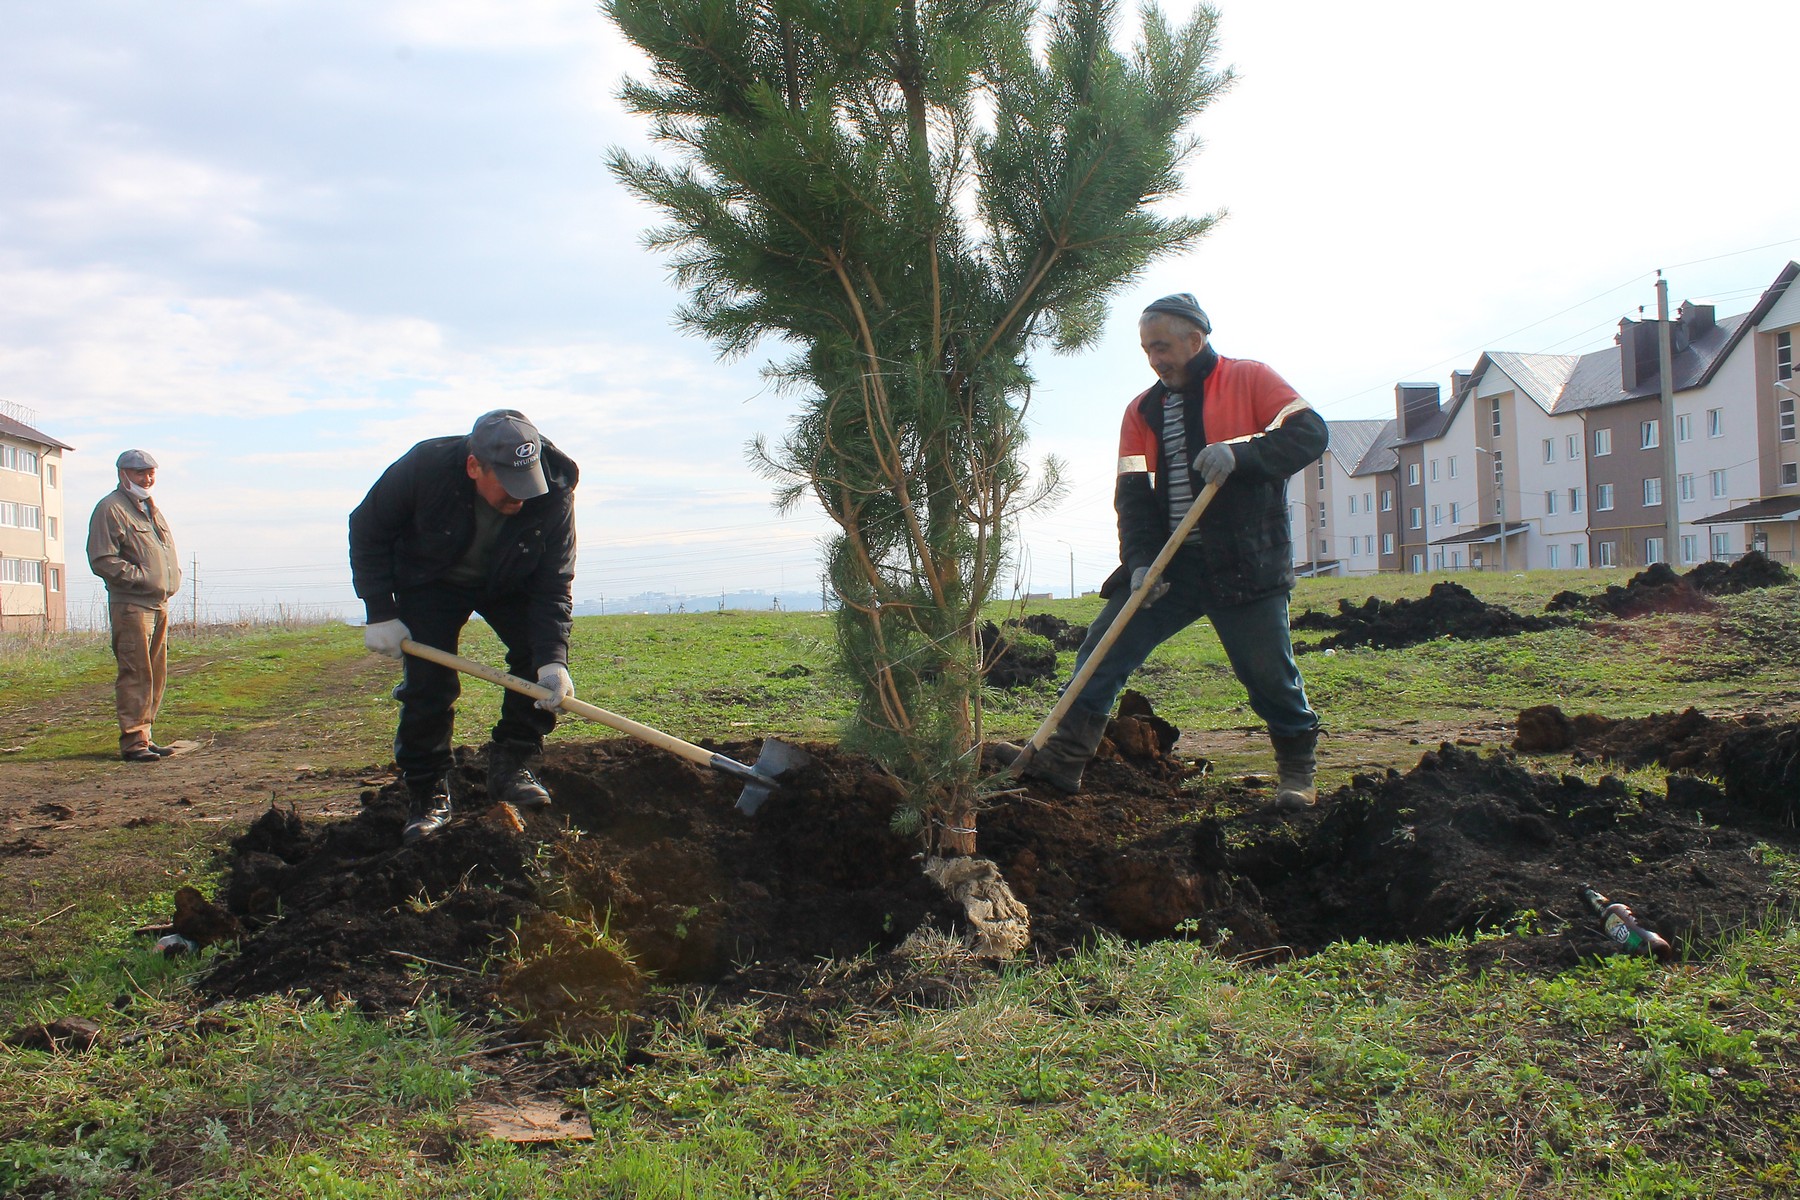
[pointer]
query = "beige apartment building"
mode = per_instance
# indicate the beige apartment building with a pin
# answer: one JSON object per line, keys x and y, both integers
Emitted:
{"x": 34, "y": 534}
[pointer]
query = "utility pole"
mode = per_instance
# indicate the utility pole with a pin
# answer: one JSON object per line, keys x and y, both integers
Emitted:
{"x": 194, "y": 591}
{"x": 1665, "y": 364}
{"x": 1071, "y": 568}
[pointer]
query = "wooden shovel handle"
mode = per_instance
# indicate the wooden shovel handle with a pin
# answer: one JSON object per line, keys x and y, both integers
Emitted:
{"x": 1132, "y": 604}
{"x": 580, "y": 708}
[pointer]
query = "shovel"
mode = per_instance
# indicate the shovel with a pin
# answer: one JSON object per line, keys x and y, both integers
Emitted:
{"x": 776, "y": 759}
{"x": 1132, "y": 604}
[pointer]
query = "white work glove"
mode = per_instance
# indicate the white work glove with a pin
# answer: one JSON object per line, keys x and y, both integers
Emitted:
{"x": 384, "y": 637}
{"x": 555, "y": 677}
{"x": 1156, "y": 593}
{"x": 1215, "y": 463}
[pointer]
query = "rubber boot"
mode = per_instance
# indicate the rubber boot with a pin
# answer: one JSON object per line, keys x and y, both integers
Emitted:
{"x": 508, "y": 778}
{"x": 427, "y": 808}
{"x": 1064, "y": 756}
{"x": 1297, "y": 762}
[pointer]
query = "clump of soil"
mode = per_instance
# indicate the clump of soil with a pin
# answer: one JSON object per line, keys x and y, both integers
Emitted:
{"x": 1448, "y": 610}
{"x": 1010, "y": 662}
{"x": 1053, "y": 629}
{"x": 643, "y": 885}
{"x": 1756, "y": 759}
{"x": 1658, "y": 588}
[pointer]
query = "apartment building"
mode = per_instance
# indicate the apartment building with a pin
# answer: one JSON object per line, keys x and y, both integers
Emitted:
{"x": 34, "y": 535}
{"x": 1541, "y": 461}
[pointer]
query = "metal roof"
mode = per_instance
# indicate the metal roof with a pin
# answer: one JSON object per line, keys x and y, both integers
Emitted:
{"x": 1350, "y": 441}
{"x": 1481, "y": 533}
{"x": 1769, "y": 508}
{"x": 1540, "y": 376}
{"x": 25, "y": 433}
{"x": 1380, "y": 455}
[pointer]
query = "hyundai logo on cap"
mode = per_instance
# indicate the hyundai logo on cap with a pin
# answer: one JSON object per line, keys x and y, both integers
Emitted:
{"x": 509, "y": 445}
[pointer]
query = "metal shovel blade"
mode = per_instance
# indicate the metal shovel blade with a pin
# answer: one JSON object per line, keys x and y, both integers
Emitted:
{"x": 776, "y": 759}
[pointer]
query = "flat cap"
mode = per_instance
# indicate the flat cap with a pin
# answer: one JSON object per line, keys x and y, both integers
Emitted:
{"x": 136, "y": 460}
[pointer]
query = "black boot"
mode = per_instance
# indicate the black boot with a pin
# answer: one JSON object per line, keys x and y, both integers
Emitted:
{"x": 1297, "y": 763}
{"x": 427, "y": 808}
{"x": 1064, "y": 755}
{"x": 508, "y": 778}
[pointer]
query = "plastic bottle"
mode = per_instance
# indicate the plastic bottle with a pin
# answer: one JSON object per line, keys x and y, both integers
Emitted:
{"x": 1621, "y": 925}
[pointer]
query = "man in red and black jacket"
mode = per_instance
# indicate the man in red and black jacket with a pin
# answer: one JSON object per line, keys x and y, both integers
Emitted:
{"x": 477, "y": 523}
{"x": 1208, "y": 420}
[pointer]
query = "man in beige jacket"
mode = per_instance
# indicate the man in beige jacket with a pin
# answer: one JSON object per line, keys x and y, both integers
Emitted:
{"x": 130, "y": 547}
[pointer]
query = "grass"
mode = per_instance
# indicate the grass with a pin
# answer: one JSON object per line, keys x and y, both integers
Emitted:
{"x": 1123, "y": 1071}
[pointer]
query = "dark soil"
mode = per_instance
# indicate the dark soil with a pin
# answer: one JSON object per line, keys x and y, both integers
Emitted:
{"x": 1658, "y": 588}
{"x": 643, "y": 884}
{"x": 1058, "y": 632}
{"x": 1451, "y": 610}
{"x": 1448, "y": 610}
{"x": 1010, "y": 662}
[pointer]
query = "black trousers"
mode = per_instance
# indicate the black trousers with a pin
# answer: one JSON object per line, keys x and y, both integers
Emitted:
{"x": 427, "y": 693}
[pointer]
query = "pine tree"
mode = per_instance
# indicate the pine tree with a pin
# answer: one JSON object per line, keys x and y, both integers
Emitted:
{"x": 913, "y": 196}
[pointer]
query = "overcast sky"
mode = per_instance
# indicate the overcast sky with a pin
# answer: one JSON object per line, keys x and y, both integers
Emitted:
{"x": 275, "y": 242}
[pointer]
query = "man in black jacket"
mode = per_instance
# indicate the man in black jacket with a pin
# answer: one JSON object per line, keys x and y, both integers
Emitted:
{"x": 482, "y": 523}
{"x": 1207, "y": 420}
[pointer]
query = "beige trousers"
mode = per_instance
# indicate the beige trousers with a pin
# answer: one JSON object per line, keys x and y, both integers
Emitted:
{"x": 140, "y": 641}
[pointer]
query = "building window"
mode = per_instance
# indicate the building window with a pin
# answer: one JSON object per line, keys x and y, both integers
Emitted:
{"x": 1684, "y": 427}
{"x": 1653, "y": 551}
{"x": 1784, "y": 356}
{"x": 50, "y": 474}
{"x": 1684, "y": 486}
{"x": 1437, "y": 560}
{"x": 1790, "y": 474}
{"x": 1784, "y": 417}
{"x": 1718, "y": 485}
{"x": 1715, "y": 422}
{"x": 1387, "y": 543}
{"x": 1324, "y": 548}
{"x": 1649, "y": 435}
{"x": 1690, "y": 547}
{"x": 1550, "y": 499}
{"x": 1321, "y": 474}
{"x": 15, "y": 459}
{"x": 1603, "y": 497}
{"x": 1368, "y": 501}
{"x": 1553, "y": 556}
{"x": 1575, "y": 499}
{"x": 1455, "y": 513}
{"x": 1602, "y": 442}
{"x": 1368, "y": 543}
{"x": 1353, "y": 504}
{"x": 1574, "y": 446}
{"x": 1577, "y": 555}
{"x": 21, "y": 570}
{"x": 1387, "y": 500}
{"x": 1418, "y": 564}
{"x": 52, "y": 529}
{"x": 1417, "y": 517}
{"x": 1605, "y": 553}
{"x": 1549, "y": 450}
{"x": 1453, "y": 466}
{"x": 1412, "y": 474}
{"x": 1494, "y": 415}
{"x": 1721, "y": 545}
{"x": 56, "y": 579}
{"x": 1434, "y": 470}
{"x": 1652, "y": 492}
{"x": 20, "y": 516}
{"x": 1321, "y": 514}
{"x": 1437, "y": 514}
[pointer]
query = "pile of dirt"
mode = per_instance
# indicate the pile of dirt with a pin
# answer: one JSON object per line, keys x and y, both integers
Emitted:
{"x": 1757, "y": 759}
{"x": 1053, "y": 629}
{"x": 1448, "y": 610}
{"x": 1659, "y": 588}
{"x": 1010, "y": 662}
{"x": 643, "y": 886}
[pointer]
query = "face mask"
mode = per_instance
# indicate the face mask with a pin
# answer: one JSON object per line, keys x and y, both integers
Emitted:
{"x": 134, "y": 491}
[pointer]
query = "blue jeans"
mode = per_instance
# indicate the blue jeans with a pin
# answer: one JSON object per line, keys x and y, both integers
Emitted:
{"x": 1255, "y": 637}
